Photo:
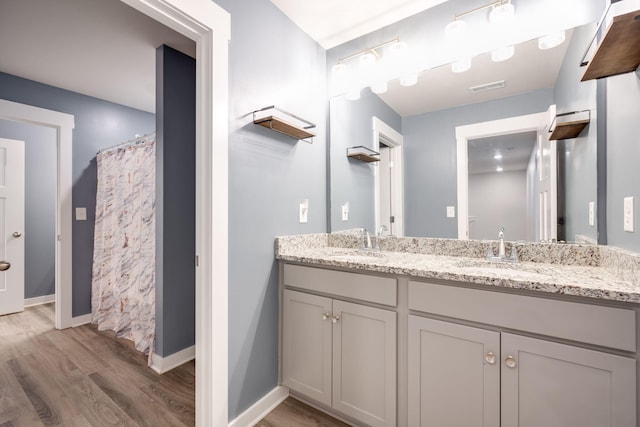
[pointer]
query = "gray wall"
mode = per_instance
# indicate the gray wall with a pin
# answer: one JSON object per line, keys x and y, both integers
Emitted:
{"x": 430, "y": 158}
{"x": 271, "y": 62}
{"x": 352, "y": 180}
{"x": 498, "y": 200}
{"x": 98, "y": 124}
{"x": 579, "y": 172}
{"x": 40, "y": 204}
{"x": 623, "y": 155}
{"x": 175, "y": 200}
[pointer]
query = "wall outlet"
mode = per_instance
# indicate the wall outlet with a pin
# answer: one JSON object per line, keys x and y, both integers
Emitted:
{"x": 628, "y": 214}
{"x": 451, "y": 211}
{"x": 81, "y": 214}
{"x": 592, "y": 214}
{"x": 303, "y": 211}
{"x": 345, "y": 212}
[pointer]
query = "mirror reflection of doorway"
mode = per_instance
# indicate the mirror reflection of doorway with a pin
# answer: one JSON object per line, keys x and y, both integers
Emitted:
{"x": 501, "y": 186}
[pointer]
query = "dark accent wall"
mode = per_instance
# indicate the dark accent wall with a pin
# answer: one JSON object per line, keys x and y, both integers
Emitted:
{"x": 40, "y": 205}
{"x": 98, "y": 124}
{"x": 175, "y": 200}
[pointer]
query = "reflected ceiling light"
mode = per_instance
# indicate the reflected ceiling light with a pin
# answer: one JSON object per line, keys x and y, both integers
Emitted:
{"x": 502, "y": 53}
{"x": 379, "y": 87}
{"x": 499, "y": 169}
{"x": 461, "y": 65}
{"x": 502, "y": 14}
{"x": 551, "y": 40}
{"x": 497, "y": 156}
{"x": 409, "y": 79}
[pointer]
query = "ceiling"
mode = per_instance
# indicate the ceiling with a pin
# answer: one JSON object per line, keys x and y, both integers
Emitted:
{"x": 100, "y": 48}
{"x": 515, "y": 149}
{"x": 333, "y": 22}
{"x": 106, "y": 49}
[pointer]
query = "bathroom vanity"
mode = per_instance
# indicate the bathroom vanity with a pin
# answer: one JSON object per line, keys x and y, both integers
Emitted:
{"x": 412, "y": 336}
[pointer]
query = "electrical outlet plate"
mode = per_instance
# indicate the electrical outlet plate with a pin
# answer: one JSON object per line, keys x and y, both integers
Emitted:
{"x": 303, "y": 211}
{"x": 81, "y": 214}
{"x": 345, "y": 212}
{"x": 451, "y": 211}
{"x": 628, "y": 214}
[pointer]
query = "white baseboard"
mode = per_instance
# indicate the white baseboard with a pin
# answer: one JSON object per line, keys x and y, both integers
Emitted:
{"x": 44, "y": 299}
{"x": 80, "y": 320}
{"x": 165, "y": 364}
{"x": 261, "y": 408}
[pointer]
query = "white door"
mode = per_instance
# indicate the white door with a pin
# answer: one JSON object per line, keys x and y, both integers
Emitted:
{"x": 11, "y": 226}
{"x": 548, "y": 182}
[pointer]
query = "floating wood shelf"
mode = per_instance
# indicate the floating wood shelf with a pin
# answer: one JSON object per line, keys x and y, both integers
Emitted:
{"x": 363, "y": 154}
{"x": 569, "y": 125}
{"x": 619, "y": 50}
{"x": 286, "y": 123}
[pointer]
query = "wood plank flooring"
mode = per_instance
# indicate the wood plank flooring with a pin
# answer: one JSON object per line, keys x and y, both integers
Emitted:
{"x": 84, "y": 377}
{"x": 293, "y": 413}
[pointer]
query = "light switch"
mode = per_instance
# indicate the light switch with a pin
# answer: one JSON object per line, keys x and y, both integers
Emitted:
{"x": 303, "y": 211}
{"x": 628, "y": 214}
{"x": 592, "y": 214}
{"x": 81, "y": 214}
{"x": 345, "y": 212}
{"x": 451, "y": 211}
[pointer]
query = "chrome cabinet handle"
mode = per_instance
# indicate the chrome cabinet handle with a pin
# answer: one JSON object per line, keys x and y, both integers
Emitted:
{"x": 325, "y": 316}
{"x": 5, "y": 265}
{"x": 510, "y": 361}
{"x": 490, "y": 358}
{"x": 17, "y": 234}
{"x": 335, "y": 319}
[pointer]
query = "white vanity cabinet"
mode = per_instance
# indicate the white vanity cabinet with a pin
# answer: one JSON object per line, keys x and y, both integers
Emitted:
{"x": 340, "y": 353}
{"x": 465, "y": 375}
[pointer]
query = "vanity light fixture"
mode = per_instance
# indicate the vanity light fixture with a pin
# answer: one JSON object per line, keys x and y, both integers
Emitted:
{"x": 551, "y": 40}
{"x": 371, "y": 70}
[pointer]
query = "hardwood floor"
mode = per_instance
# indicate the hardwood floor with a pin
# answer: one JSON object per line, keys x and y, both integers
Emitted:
{"x": 84, "y": 377}
{"x": 293, "y": 413}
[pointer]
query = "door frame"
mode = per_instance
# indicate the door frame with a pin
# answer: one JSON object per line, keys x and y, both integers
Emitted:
{"x": 525, "y": 123}
{"x": 63, "y": 124}
{"x": 206, "y": 23}
{"x": 394, "y": 140}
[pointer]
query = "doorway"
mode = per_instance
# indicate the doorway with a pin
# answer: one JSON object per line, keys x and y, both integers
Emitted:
{"x": 389, "y": 198}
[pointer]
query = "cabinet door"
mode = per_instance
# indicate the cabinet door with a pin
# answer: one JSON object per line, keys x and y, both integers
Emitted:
{"x": 555, "y": 385}
{"x": 454, "y": 375}
{"x": 306, "y": 345}
{"x": 364, "y": 363}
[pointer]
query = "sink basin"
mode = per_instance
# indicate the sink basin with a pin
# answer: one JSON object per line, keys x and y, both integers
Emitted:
{"x": 508, "y": 272}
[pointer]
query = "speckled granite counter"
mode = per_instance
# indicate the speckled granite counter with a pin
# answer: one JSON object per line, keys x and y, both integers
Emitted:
{"x": 580, "y": 270}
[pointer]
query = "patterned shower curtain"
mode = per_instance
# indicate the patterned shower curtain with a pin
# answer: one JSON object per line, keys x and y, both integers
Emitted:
{"x": 123, "y": 284}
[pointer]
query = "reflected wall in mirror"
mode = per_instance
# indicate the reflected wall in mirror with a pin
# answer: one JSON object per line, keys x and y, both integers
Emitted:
{"x": 429, "y": 148}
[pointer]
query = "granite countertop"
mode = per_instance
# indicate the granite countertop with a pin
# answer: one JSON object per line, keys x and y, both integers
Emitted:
{"x": 579, "y": 280}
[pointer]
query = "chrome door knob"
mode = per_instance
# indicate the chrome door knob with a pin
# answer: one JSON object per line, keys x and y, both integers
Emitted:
{"x": 17, "y": 234}
{"x": 510, "y": 361}
{"x": 5, "y": 265}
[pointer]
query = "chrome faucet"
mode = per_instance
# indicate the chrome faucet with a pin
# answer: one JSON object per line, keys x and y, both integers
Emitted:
{"x": 491, "y": 256}
{"x": 381, "y": 230}
{"x": 501, "y": 244}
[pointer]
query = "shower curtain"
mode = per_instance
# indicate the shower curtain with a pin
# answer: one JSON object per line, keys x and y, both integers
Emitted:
{"x": 123, "y": 283}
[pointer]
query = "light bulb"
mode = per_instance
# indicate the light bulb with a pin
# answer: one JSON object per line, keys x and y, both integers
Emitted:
{"x": 461, "y": 65}
{"x": 497, "y": 156}
{"x": 409, "y": 79}
{"x": 379, "y": 87}
{"x": 551, "y": 40}
{"x": 502, "y": 14}
{"x": 499, "y": 169}
{"x": 455, "y": 30}
{"x": 367, "y": 61}
{"x": 502, "y": 53}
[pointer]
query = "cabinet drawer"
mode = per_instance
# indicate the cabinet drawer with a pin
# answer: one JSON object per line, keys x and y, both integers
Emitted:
{"x": 594, "y": 324}
{"x": 381, "y": 290}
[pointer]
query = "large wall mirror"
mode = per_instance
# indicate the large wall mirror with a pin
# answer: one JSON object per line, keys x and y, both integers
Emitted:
{"x": 503, "y": 170}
